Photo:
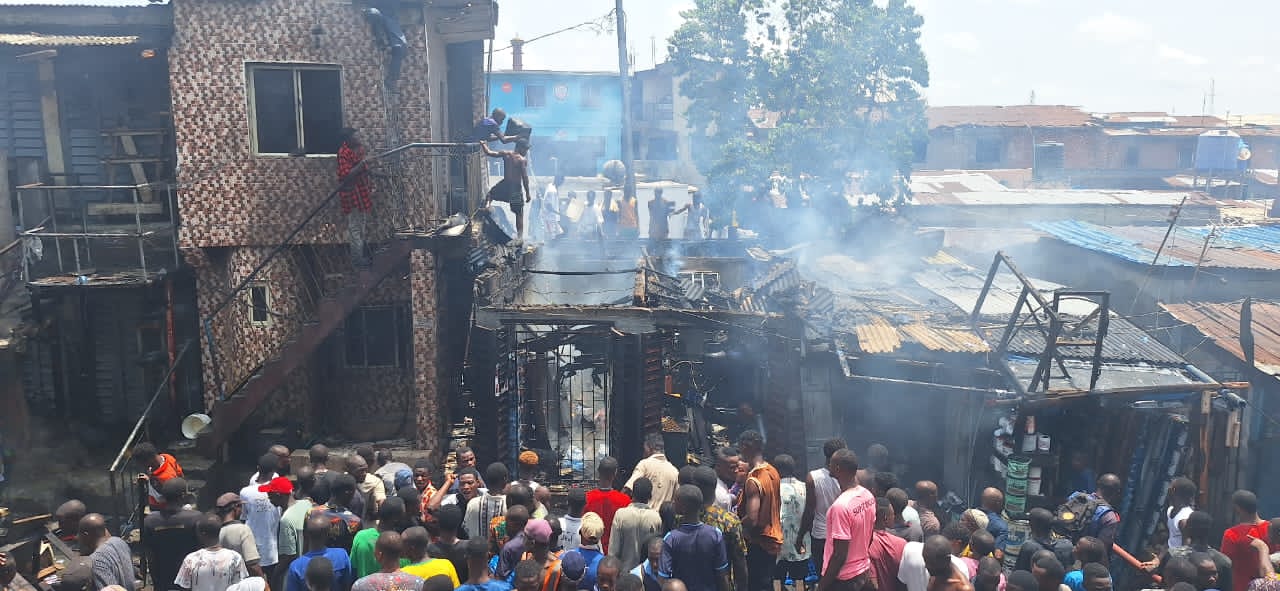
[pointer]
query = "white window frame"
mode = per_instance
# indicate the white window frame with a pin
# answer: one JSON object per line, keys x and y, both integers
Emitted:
{"x": 295, "y": 68}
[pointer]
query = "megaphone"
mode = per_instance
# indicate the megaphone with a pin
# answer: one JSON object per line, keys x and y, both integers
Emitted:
{"x": 195, "y": 424}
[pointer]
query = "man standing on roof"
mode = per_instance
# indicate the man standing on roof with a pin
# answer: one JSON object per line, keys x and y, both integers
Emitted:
{"x": 515, "y": 180}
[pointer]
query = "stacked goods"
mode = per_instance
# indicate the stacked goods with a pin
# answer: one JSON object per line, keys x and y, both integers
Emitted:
{"x": 1016, "y": 485}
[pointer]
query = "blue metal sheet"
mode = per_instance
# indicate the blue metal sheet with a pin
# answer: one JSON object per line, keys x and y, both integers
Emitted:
{"x": 1098, "y": 238}
{"x": 1260, "y": 237}
{"x": 21, "y": 130}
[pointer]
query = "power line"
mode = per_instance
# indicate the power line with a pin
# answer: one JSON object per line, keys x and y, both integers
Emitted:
{"x": 600, "y": 23}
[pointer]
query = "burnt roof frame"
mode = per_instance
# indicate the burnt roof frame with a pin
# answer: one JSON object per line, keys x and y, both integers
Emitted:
{"x": 1053, "y": 333}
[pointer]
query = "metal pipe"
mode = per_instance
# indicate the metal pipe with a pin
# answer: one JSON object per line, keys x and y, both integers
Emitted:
{"x": 624, "y": 75}
{"x": 948, "y": 387}
{"x": 137, "y": 220}
{"x": 133, "y": 435}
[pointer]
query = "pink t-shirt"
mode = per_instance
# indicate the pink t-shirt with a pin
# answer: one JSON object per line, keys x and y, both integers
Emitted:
{"x": 852, "y": 517}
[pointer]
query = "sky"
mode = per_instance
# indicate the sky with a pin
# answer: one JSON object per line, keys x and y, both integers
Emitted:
{"x": 1103, "y": 55}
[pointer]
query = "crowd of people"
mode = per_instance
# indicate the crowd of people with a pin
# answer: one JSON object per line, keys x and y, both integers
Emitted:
{"x": 744, "y": 523}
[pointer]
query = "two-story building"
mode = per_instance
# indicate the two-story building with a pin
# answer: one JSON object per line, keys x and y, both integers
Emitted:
{"x": 295, "y": 334}
{"x": 182, "y": 234}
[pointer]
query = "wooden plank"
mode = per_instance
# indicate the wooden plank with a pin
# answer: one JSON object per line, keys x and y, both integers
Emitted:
{"x": 52, "y": 121}
{"x": 132, "y": 132}
{"x": 139, "y": 175}
{"x": 125, "y": 208}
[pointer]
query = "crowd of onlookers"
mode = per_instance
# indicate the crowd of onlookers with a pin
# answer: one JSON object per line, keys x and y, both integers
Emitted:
{"x": 743, "y": 523}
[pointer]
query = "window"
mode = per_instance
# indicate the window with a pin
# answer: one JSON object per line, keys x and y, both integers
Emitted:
{"x": 259, "y": 305}
{"x": 1132, "y": 156}
{"x": 591, "y": 95}
{"x": 535, "y": 96}
{"x": 296, "y": 110}
{"x": 373, "y": 337}
{"x": 990, "y": 150}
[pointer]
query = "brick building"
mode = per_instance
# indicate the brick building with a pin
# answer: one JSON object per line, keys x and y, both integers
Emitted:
{"x": 1068, "y": 145}
{"x": 293, "y": 334}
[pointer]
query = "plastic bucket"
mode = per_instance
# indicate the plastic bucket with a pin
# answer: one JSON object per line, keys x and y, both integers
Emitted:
{"x": 1015, "y": 504}
{"x": 1016, "y": 486}
{"x": 1019, "y": 531}
{"x": 1019, "y": 466}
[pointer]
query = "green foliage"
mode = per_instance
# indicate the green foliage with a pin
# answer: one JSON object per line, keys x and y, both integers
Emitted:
{"x": 844, "y": 77}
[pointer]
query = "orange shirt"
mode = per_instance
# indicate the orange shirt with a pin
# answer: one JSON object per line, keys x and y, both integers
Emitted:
{"x": 168, "y": 470}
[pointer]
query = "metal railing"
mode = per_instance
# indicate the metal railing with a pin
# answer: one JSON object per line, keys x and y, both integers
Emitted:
{"x": 92, "y": 230}
{"x": 415, "y": 186}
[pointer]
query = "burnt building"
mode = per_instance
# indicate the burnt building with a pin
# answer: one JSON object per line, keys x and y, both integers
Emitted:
{"x": 87, "y": 151}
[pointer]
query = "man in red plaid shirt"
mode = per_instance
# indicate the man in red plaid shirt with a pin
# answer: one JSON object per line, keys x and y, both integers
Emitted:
{"x": 354, "y": 189}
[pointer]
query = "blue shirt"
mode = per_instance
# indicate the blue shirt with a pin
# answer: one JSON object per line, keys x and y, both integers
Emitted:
{"x": 1075, "y": 580}
{"x": 343, "y": 575}
{"x": 592, "y": 557}
{"x": 694, "y": 553}
{"x": 492, "y": 585}
{"x": 998, "y": 528}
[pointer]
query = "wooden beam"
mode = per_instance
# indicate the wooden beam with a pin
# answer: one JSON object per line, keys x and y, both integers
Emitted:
{"x": 55, "y": 156}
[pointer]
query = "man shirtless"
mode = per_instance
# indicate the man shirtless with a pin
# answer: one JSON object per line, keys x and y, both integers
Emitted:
{"x": 515, "y": 180}
{"x": 943, "y": 574}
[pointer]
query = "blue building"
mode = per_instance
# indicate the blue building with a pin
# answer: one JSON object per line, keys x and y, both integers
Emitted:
{"x": 576, "y": 117}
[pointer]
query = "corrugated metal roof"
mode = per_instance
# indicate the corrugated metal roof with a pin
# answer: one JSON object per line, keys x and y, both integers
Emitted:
{"x": 1008, "y": 116}
{"x": 1125, "y": 343}
{"x": 44, "y": 40}
{"x": 1240, "y": 247}
{"x": 1220, "y": 323}
{"x": 961, "y": 194}
{"x": 878, "y": 336}
{"x": 950, "y": 340}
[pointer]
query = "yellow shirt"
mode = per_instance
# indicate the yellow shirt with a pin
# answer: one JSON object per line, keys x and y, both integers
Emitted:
{"x": 432, "y": 567}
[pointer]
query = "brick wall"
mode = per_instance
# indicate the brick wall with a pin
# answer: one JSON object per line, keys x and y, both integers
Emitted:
{"x": 233, "y": 197}
{"x": 235, "y": 206}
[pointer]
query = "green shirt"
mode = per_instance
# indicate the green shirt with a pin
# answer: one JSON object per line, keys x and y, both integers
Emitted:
{"x": 362, "y": 558}
{"x": 291, "y": 522}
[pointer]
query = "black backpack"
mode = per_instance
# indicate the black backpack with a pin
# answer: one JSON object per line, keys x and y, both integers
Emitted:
{"x": 1080, "y": 516}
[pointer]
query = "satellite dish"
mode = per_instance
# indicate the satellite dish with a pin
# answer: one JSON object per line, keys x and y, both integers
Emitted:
{"x": 1244, "y": 154}
{"x": 195, "y": 424}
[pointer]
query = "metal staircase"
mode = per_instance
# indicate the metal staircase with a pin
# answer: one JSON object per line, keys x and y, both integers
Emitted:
{"x": 330, "y": 312}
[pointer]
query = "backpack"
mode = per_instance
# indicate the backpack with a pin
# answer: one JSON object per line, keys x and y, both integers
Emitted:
{"x": 1080, "y": 516}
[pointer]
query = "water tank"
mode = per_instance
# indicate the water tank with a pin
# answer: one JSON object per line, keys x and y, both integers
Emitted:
{"x": 1051, "y": 159}
{"x": 1217, "y": 150}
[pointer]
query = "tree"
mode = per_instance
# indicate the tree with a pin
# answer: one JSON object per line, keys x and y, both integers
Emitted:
{"x": 712, "y": 54}
{"x": 843, "y": 76}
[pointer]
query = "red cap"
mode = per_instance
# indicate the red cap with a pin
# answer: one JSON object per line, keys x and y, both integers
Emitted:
{"x": 278, "y": 485}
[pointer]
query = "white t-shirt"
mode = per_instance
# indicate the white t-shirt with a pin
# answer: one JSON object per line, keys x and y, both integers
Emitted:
{"x": 912, "y": 572}
{"x": 263, "y": 520}
{"x": 1173, "y": 519}
{"x": 826, "y": 490}
{"x": 569, "y": 537}
{"x": 211, "y": 570}
{"x": 724, "y": 499}
{"x": 910, "y": 515}
{"x": 250, "y": 584}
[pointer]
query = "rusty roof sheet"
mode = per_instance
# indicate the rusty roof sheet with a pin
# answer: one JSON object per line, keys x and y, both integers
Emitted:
{"x": 1220, "y": 323}
{"x": 46, "y": 40}
{"x": 1008, "y": 116}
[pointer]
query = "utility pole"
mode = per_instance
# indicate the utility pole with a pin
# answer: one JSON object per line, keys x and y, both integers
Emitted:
{"x": 624, "y": 72}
